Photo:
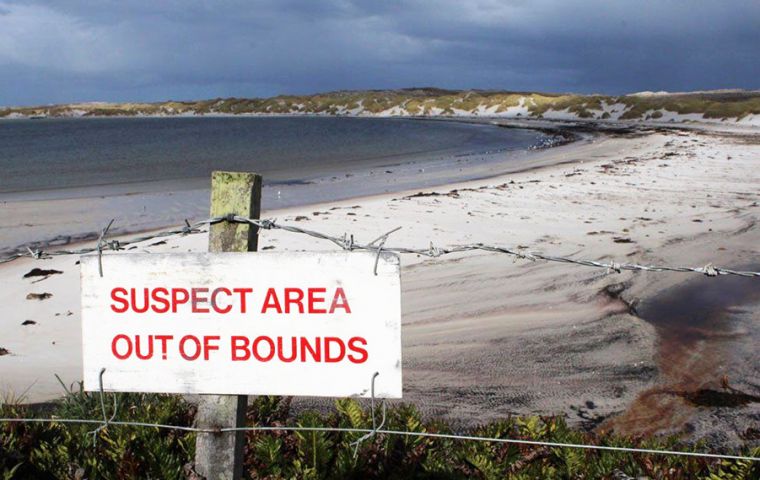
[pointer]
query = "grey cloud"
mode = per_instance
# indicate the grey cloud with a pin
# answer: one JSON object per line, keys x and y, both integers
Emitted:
{"x": 74, "y": 50}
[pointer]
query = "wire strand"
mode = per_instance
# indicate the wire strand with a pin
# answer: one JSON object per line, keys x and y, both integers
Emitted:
{"x": 347, "y": 243}
{"x": 449, "y": 436}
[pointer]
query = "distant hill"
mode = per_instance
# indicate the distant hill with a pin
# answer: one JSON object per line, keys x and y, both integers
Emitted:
{"x": 713, "y": 106}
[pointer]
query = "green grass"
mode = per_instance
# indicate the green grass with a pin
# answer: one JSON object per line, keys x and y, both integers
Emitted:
{"x": 57, "y": 450}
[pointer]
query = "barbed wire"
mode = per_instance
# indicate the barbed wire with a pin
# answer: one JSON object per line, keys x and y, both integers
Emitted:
{"x": 38, "y": 253}
{"x": 347, "y": 242}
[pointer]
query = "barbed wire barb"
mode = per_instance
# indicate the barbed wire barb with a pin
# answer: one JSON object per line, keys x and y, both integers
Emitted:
{"x": 383, "y": 238}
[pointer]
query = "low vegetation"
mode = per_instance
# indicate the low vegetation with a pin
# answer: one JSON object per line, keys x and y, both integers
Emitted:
{"x": 716, "y": 105}
{"x": 70, "y": 451}
{"x": 719, "y": 105}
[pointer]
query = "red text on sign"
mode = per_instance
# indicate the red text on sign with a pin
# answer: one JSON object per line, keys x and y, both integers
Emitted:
{"x": 302, "y": 349}
{"x": 222, "y": 300}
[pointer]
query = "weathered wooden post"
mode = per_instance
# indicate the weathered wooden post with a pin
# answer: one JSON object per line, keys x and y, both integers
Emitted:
{"x": 220, "y": 455}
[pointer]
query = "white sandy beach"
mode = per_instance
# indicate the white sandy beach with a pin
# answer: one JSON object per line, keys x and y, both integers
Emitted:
{"x": 485, "y": 335}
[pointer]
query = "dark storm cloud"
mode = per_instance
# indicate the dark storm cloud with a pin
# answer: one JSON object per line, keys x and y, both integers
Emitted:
{"x": 70, "y": 50}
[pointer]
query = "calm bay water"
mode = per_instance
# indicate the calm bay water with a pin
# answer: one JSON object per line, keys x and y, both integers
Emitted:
{"x": 61, "y": 180}
{"x": 68, "y": 153}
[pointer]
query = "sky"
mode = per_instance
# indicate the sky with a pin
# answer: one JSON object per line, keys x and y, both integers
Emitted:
{"x": 60, "y": 51}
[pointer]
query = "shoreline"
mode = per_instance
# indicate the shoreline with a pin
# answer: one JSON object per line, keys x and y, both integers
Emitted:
{"x": 485, "y": 337}
{"x": 303, "y": 190}
{"x": 528, "y": 122}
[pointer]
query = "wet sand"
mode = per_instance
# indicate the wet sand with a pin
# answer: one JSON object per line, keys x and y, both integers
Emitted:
{"x": 707, "y": 361}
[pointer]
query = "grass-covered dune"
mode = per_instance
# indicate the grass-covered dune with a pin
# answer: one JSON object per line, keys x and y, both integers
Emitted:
{"x": 723, "y": 105}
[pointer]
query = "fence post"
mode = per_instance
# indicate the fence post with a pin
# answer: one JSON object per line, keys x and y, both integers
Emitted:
{"x": 219, "y": 456}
